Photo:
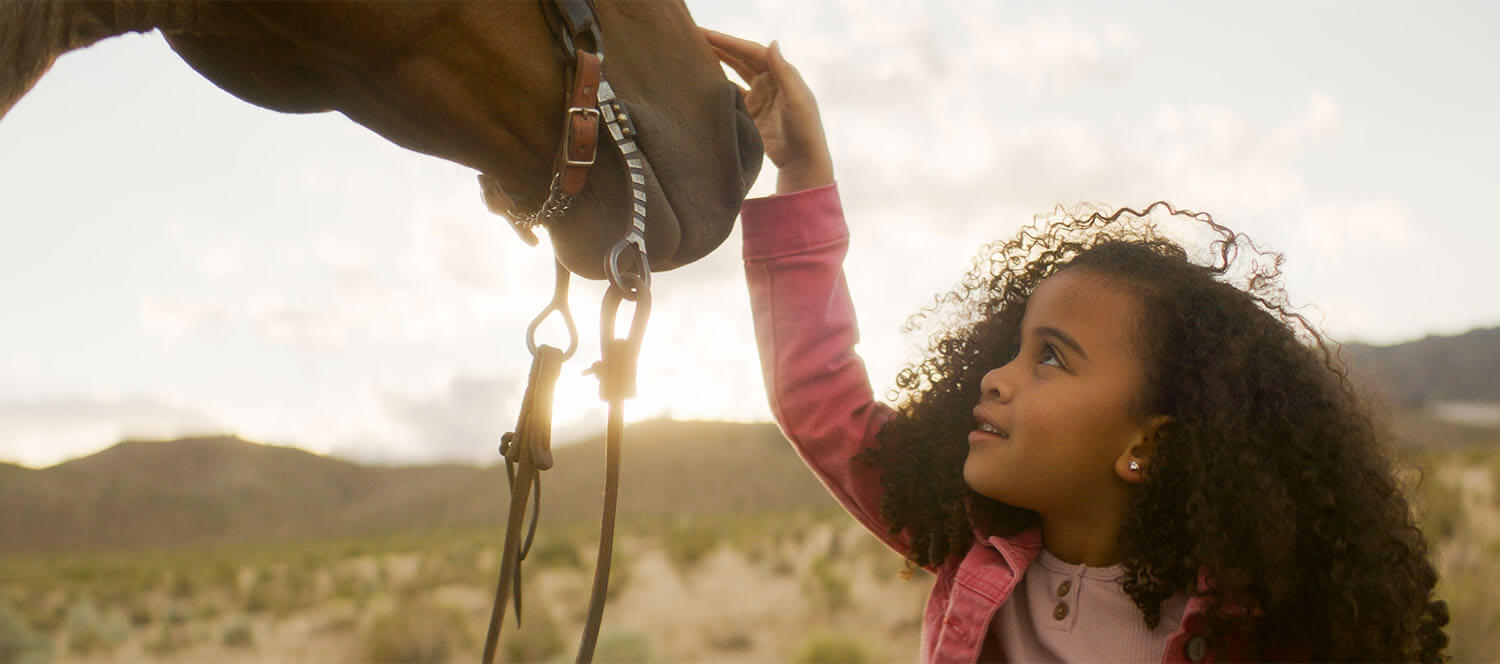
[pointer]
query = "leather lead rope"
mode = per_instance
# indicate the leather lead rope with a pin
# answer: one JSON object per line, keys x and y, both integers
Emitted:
{"x": 528, "y": 449}
{"x": 616, "y": 370}
{"x": 527, "y": 452}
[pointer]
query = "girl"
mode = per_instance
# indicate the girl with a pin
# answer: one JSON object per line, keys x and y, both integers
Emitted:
{"x": 1109, "y": 452}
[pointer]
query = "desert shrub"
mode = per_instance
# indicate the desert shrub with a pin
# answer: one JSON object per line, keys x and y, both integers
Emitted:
{"x": 826, "y": 587}
{"x": 91, "y": 630}
{"x": 47, "y": 616}
{"x": 342, "y": 622}
{"x": 733, "y": 639}
{"x": 207, "y": 609}
{"x": 686, "y": 543}
{"x": 621, "y": 573}
{"x": 260, "y": 595}
{"x": 18, "y": 641}
{"x": 239, "y": 634}
{"x": 835, "y": 544}
{"x": 462, "y": 558}
{"x": 1475, "y": 627}
{"x": 555, "y": 551}
{"x": 177, "y": 613}
{"x": 537, "y": 639}
{"x": 350, "y": 583}
{"x": 183, "y": 585}
{"x": 756, "y": 553}
{"x": 166, "y": 642}
{"x": 417, "y": 631}
{"x": 829, "y": 648}
{"x": 1494, "y": 465}
{"x": 299, "y": 589}
{"x": 139, "y": 614}
{"x": 282, "y": 592}
{"x": 1440, "y": 508}
{"x": 783, "y": 565}
{"x": 623, "y": 648}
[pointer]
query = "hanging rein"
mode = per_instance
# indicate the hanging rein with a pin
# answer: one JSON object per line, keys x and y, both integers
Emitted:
{"x": 528, "y": 449}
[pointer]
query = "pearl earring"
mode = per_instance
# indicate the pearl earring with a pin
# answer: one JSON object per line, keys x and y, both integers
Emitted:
{"x": 1135, "y": 466}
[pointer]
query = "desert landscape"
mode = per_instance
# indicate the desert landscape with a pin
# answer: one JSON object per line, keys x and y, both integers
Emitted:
{"x": 224, "y": 550}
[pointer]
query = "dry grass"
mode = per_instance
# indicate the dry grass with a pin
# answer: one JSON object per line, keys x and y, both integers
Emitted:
{"x": 682, "y": 589}
{"x": 1457, "y": 497}
{"x": 799, "y": 586}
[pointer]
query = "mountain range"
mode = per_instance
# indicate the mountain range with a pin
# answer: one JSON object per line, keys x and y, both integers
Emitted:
{"x": 220, "y": 490}
{"x": 1464, "y": 367}
{"x": 205, "y": 491}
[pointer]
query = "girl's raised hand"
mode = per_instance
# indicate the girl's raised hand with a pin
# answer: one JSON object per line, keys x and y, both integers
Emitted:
{"x": 783, "y": 109}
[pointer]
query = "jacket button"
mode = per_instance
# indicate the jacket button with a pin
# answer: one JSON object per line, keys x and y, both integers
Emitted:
{"x": 1197, "y": 648}
{"x": 1063, "y": 589}
{"x": 1061, "y": 611}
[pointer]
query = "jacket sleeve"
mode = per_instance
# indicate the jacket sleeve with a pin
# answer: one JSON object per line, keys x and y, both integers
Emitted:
{"x": 805, "y": 330}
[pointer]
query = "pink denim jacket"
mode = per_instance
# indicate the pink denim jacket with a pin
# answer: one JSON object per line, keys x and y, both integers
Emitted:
{"x": 794, "y": 246}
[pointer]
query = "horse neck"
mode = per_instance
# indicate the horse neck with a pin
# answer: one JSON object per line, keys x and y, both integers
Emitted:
{"x": 33, "y": 34}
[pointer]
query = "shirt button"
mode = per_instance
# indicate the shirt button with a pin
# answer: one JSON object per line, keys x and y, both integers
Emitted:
{"x": 1197, "y": 647}
{"x": 1061, "y": 611}
{"x": 1063, "y": 589}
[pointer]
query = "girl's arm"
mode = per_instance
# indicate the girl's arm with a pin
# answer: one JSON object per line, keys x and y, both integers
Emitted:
{"x": 794, "y": 247}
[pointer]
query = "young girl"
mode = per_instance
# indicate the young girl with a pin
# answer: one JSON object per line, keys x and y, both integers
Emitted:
{"x": 1109, "y": 452}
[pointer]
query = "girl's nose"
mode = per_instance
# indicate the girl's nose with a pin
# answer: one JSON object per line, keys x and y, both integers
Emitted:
{"x": 996, "y": 385}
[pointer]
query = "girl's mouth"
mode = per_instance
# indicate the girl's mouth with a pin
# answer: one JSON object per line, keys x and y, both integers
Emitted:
{"x": 987, "y": 431}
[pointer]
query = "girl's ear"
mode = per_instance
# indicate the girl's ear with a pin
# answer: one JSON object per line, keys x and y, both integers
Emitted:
{"x": 1134, "y": 462}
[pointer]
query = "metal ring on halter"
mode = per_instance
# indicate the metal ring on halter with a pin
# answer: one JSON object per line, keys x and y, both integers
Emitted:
{"x": 633, "y": 284}
{"x": 559, "y": 304}
{"x": 630, "y": 289}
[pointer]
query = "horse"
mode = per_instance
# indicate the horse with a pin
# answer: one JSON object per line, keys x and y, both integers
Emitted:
{"x": 482, "y": 84}
{"x": 485, "y": 85}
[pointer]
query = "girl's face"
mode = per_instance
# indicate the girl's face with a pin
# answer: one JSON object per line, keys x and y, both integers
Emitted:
{"x": 1056, "y": 426}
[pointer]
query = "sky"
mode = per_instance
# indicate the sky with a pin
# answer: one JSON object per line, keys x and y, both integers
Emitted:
{"x": 178, "y": 262}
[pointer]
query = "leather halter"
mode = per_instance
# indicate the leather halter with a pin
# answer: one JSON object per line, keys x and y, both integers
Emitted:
{"x": 527, "y": 450}
{"x": 590, "y": 99}
{"x": 580, "y": 141}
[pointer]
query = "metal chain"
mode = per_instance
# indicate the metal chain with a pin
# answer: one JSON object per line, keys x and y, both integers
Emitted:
{"x": 555, "y": 207}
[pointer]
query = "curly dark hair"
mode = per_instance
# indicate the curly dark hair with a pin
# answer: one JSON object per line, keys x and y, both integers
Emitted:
{"x": 1269, "y": 478}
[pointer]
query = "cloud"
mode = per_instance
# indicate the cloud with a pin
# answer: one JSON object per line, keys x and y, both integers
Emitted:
{"x": 326, "y": 290}
{"x": 864, "y": 51}
{"x": 1203, "y": 156}
{"x": 177, "y": 318}
{"x": 1051, "y": 50}
{"x": 461, "y": 422}
{"x": 215, "y": 257}
{"x": 44, "y": 432}
{"x": 460, "y": 250}
{"x": 1329, "y": 234}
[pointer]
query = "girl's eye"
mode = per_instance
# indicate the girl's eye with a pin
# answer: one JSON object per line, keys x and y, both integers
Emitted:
{"x": 1050, "y": 357}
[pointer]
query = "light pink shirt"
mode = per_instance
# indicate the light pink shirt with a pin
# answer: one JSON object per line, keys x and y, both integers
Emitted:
{"x": 794, "y": 246}
{"x": 1073, "y": 613}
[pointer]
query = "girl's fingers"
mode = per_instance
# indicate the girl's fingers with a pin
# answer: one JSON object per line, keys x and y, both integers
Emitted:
{"x": 787, "y": 77}
{"x": 746, "y": 71}
{"x": 744, "y": 48}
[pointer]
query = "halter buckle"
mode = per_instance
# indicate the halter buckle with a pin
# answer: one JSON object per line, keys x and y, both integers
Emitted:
{"x": 590, "y": 119}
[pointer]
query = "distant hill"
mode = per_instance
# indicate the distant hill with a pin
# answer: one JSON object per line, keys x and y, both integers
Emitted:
{"x": 223, "y": 490}
{"x": 1465, "y": 367}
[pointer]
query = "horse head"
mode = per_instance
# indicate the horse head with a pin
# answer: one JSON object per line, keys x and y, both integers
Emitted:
{"x": 478, "y": 83}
